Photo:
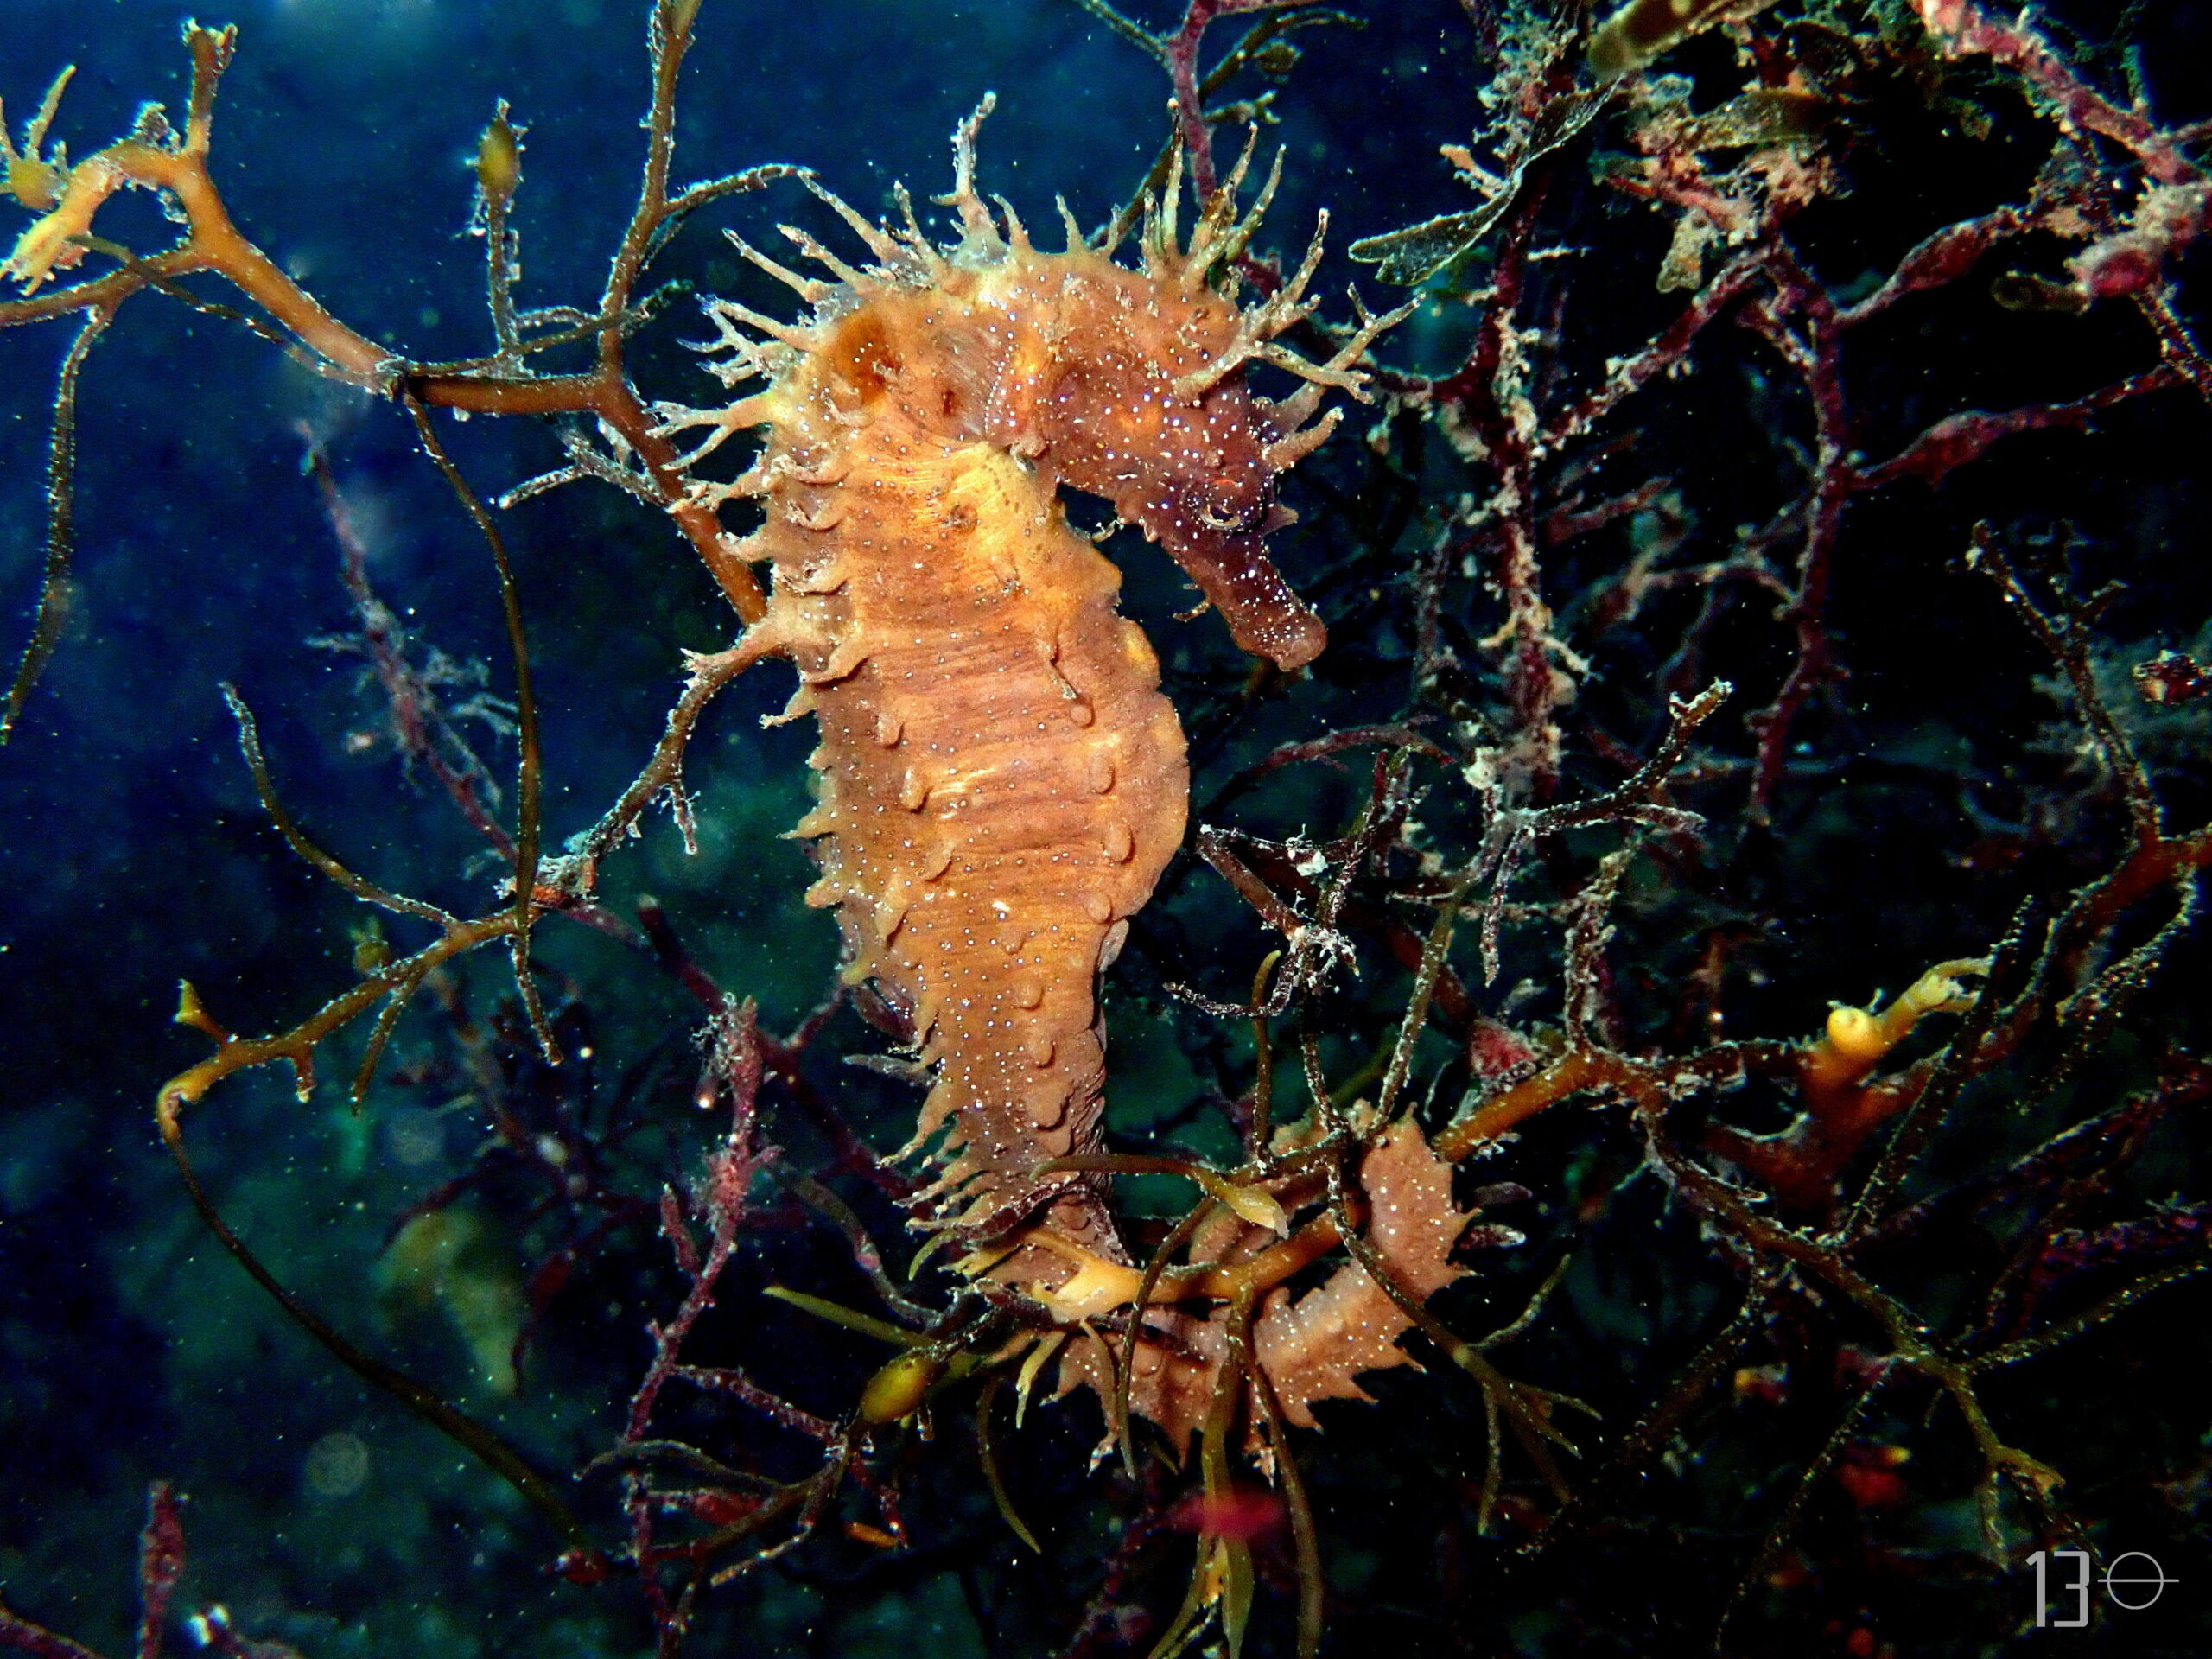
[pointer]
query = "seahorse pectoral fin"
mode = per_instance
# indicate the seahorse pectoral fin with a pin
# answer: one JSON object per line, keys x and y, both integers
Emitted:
{"x": 844, "y": 662}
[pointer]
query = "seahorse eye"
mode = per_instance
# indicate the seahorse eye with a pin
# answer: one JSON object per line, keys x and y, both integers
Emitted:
{"x": 1231, "y": 518}
{"x": 862, "y": 353}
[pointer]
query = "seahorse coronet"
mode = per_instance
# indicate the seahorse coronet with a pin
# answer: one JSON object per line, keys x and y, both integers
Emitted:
{"x": 1001, "y": 782}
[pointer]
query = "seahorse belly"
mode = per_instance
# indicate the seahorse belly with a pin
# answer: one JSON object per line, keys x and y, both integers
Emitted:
{"x": 1001, "y": 785}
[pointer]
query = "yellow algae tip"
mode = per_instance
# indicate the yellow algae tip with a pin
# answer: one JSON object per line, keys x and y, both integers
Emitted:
{"x": 898, "y": 1389}
{"x": 499, "y": 159}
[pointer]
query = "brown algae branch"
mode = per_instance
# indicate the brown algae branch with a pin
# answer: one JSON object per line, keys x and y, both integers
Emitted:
{"x": 234, "y": 1053}
{"x": 297, "y": 1046}
{"x": 155, "y": 158}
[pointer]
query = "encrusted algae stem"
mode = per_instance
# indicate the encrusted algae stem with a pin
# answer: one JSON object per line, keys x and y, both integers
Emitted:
{"x": 1575, "y": 1073}
{"x": 53, "y": 613}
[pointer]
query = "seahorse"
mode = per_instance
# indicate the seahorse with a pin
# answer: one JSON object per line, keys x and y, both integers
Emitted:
{"x": 1000, "y": 781}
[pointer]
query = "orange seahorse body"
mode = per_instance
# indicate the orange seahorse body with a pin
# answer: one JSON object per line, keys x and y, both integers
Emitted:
{"x": 1000, "y": 781}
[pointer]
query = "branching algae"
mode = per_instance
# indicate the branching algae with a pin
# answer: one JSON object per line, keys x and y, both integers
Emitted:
{"x": 1538, "y": 618}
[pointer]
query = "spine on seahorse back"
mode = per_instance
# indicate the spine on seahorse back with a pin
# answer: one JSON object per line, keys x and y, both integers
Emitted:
{"x": 1000, "y": 781}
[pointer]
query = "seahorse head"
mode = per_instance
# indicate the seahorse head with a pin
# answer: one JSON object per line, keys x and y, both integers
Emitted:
{"x": 1123, "y": 382}
{"x": 1141, "y": 398}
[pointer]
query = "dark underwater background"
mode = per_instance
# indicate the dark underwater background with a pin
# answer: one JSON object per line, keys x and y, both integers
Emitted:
{"x": 133, "y": 853}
